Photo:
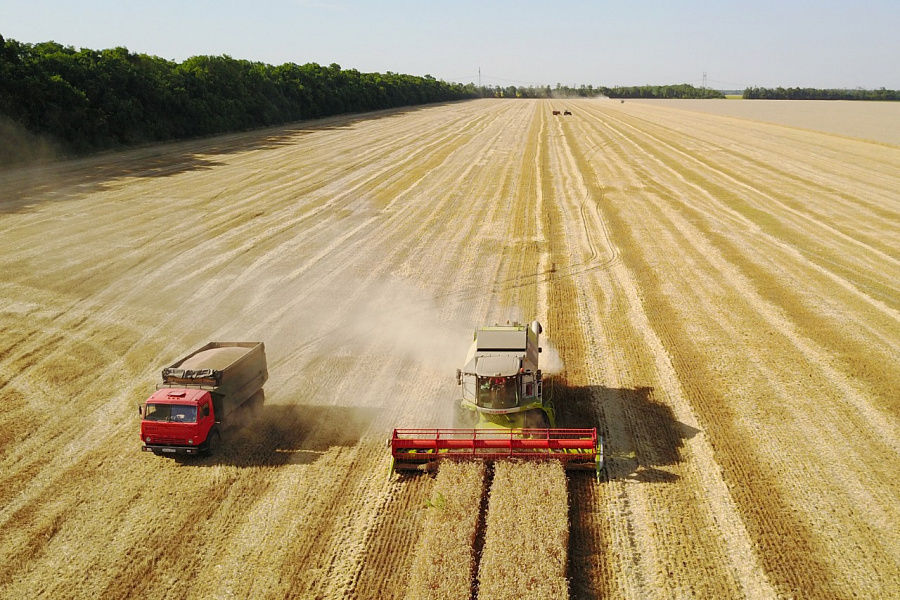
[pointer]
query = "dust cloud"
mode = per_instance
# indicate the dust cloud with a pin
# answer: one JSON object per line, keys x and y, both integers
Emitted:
{"x": 19, "y": 146}
{"x": 391, "y": 317}
{"x": 550, "y": 361}
{"x": 380, "y": 338}
{"x": 409, "y": 322}
{"x": 555, "y": 95}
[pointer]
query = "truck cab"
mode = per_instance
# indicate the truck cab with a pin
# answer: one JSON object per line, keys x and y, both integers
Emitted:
{"x": 199, "y": 393}
{"x": 177, "y": 421}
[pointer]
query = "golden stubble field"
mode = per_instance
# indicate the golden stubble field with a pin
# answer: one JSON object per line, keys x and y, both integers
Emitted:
{"x": 725, "y": 296}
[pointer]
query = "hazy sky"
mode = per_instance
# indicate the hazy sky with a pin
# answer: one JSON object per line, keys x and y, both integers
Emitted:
{"x": 819, "y": 43}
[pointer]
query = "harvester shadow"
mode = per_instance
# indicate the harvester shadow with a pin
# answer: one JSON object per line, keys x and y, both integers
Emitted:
{"x": 281, "y": 434}
{"x": 27, "y": 186}
{"x": 641, "y": 435}
{"x": 641, "y": 438}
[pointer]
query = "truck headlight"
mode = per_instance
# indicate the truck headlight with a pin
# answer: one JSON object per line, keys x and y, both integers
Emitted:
{"x": 147, "y": 439}
{"x": 190, "y": 442}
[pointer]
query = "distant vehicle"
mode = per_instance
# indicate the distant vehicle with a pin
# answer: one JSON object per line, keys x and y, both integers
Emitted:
{"x": 555, "y": 112}
{"x": 197, "y": 395}
{"x": 568, "y": 112}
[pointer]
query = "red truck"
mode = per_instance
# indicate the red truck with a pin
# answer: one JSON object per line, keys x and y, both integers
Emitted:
{"x": 198, "y": 393}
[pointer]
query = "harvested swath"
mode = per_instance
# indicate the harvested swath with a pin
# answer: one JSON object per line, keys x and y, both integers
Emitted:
{"x": 444, "y": 564}
{"x": 527, "y": 533}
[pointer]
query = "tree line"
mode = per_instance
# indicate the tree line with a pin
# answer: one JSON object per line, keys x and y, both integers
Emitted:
{"x": 93, "y": 99}
{"x": 88, "y": 100}
{"x": 683, "y": 90}
{"x": 796, "y": 93}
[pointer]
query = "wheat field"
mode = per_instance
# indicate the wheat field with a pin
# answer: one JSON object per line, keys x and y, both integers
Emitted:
{"x": 724, "y": 296}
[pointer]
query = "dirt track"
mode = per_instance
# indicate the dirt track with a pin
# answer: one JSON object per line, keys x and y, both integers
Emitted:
{"x": 724, "y": 295}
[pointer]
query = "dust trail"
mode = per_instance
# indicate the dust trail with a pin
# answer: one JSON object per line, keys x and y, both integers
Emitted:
{"x": 408, "y": 321}
{"x": 394, "y": 335}
{"x": 551, "y": 362}
{"x": 19, "y": 146}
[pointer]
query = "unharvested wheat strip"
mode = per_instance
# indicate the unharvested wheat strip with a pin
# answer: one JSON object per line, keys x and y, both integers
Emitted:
{"x": 445, "y": 556}
{"x": 527, "y": 533}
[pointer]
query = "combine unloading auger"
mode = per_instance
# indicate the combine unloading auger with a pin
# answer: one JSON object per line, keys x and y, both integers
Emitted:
{"x": 503, "y": 412}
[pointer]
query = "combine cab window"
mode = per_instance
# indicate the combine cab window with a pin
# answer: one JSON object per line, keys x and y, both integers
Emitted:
{"x": 177, "y": 413}
{"x": 497, "y": 392}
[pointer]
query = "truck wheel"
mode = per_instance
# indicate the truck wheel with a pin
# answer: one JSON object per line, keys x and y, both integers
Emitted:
{"x": 212, "y": 445}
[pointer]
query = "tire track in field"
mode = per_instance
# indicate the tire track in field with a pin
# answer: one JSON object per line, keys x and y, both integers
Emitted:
{"x": 823, "y": 331}
{"x": 650, "y": 431}
{"x": 845, "y": 275}
{"x": 680, "y": 466}
{"x": 826, "y": 448}
{"x": 615, "y": 571}
{"x": 759, "y": 495}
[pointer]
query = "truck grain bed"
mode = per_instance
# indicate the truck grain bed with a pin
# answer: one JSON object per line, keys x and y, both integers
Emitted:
{"x": 214, "y": 358}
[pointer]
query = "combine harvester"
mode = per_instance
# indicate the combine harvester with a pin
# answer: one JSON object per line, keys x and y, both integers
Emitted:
{"x": 508, "y": 416}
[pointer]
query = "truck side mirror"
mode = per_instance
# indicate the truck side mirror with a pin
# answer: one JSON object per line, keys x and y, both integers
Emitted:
{"x": 459, "y": 377}
{"x": 140, "y": 410}
{"x": 540, "y": 349}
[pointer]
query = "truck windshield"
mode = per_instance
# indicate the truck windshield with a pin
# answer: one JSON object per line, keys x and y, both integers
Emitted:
{"x": 497, "y": 392}
{"x": 180, "y": 413}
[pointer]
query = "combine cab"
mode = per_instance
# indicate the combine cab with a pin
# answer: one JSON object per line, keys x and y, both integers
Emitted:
{"x": 503, "y": 412}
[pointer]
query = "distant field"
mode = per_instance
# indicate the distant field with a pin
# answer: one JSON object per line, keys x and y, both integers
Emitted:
{"x": 877, "y": 121}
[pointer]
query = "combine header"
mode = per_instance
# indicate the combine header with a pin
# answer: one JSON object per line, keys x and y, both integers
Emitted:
{"x": 503, "y": 409}
{"x": 576, "y": 448}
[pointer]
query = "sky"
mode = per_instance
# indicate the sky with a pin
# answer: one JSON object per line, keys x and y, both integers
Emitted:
{"x": 824, "y": 43}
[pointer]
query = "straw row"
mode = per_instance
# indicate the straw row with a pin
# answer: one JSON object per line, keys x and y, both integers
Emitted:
{"x": 527, "y": 533}
{"x": 444, "y": 565}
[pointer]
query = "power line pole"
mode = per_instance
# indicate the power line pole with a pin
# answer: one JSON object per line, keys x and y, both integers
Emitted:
{"x": 704, "y": 80}
{"x": 479, "y": 76}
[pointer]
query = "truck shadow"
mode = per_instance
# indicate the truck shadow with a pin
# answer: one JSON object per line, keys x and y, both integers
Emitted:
{"x": 272, "y": 435}
{"x": 640, "y": 434}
